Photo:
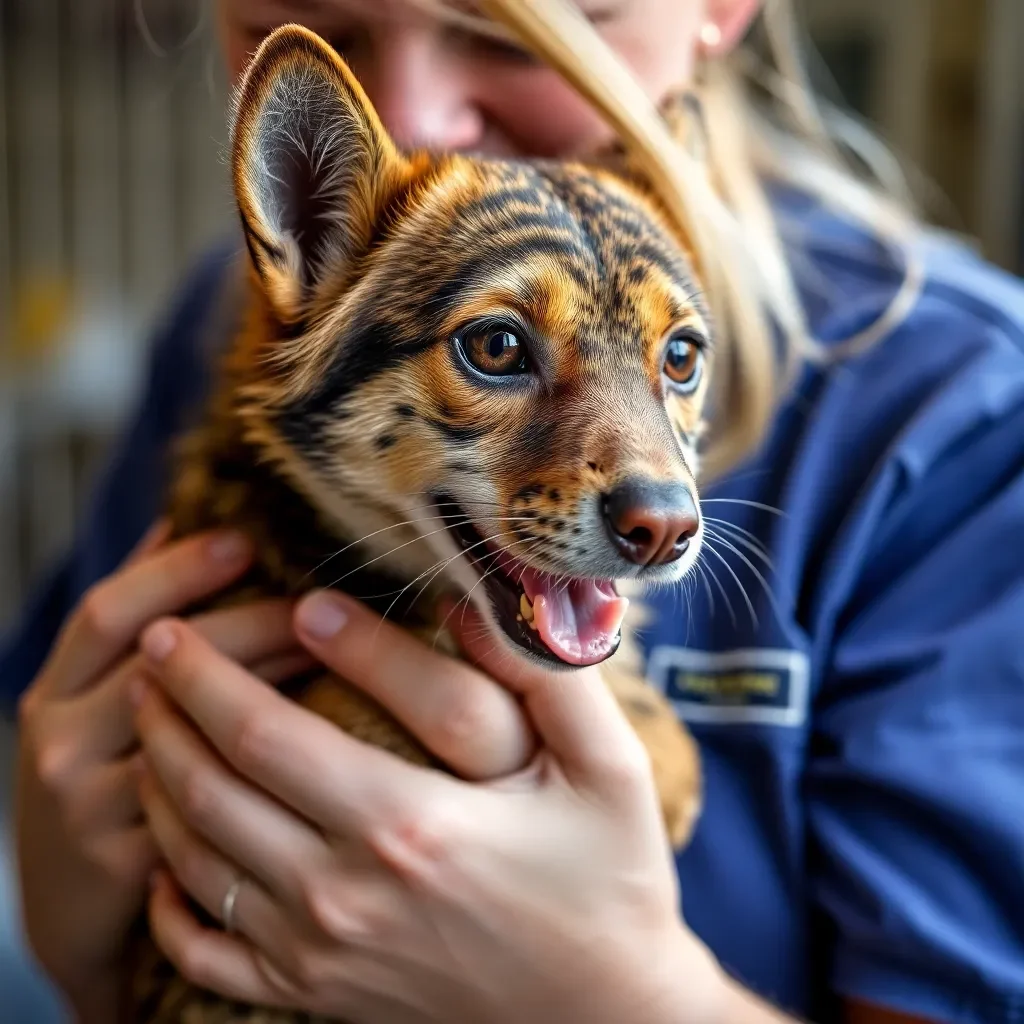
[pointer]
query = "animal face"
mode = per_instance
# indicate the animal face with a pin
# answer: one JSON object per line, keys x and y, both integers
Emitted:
{"x": 490, "y": 374}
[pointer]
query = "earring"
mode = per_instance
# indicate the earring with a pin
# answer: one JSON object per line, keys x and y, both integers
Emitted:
{"x": 710, "y": 35}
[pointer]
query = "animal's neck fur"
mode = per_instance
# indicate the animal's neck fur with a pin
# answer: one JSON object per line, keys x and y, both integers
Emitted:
{"x": 223, "y": 479}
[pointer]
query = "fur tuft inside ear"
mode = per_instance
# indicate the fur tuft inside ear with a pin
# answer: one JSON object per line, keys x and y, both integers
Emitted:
{"x": 312, "y": 169}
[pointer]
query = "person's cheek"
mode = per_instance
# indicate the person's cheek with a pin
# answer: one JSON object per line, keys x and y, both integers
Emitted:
{"x": 658, "y": 40}
{"x": 538, "y": 114}
{"x": 659, "y": 68}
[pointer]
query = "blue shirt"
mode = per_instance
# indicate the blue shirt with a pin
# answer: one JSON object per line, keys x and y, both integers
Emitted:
{"x": 850, "y": 654}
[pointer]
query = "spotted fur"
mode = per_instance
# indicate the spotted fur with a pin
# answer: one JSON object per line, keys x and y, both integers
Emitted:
{"x": 342, "y": 418}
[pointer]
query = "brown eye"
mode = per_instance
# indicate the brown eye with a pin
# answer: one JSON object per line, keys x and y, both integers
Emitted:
{"x": 684, "y": 363}
{"x": 494, "y": 351}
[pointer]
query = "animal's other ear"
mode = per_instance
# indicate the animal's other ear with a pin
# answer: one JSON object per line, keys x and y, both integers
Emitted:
{"x": 683, "y": 115}
{"x": 312, "y": 167}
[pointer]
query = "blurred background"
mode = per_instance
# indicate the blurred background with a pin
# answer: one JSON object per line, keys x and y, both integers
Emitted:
{"x": 112, "y": 180}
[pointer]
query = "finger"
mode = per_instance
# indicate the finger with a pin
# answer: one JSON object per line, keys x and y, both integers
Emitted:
{"x": 252, "y": 830}
{"x": 474, "y": 726}
{"x": 101, "y": 720}
{"x": 155, "y": 537}
{"x": 249, "y": 633}
{"x": 259, "y": 635}
{"x": 225, "y": 964}
{"x": 285, "y": 667}
{"x": 112, "y": 613}
{"x": 206, "y": 875}
{"x": 108, "y": 801}
{"x": 343, "y": 908}
{"x": 129, "y": 855}
{"x": 98, "y": 723}
{"x": 573, "y": 710}
{"x": 309, "y": 764}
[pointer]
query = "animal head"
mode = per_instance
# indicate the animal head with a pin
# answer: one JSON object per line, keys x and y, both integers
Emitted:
{"x": 491, "y": 374}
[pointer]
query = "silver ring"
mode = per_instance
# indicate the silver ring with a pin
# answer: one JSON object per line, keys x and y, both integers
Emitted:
{"x": 227, "y": 907}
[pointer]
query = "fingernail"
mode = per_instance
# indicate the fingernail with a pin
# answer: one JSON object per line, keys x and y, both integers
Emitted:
{"x": 229, "y": 547}
{"x": 158, "y": 641}
{"x": 321, "y": 615}
{"x": 137, "y": 691}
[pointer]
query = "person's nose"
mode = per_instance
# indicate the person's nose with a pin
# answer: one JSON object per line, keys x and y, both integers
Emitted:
{"x": 421, "y": 95}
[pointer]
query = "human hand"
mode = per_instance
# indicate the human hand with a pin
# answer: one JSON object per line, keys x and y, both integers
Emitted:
{"x": 84, "y": 850}
{"x": 379, "y": 891}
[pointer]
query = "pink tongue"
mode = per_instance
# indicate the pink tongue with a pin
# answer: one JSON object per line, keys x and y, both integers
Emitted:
{"x": 579, "y": 620}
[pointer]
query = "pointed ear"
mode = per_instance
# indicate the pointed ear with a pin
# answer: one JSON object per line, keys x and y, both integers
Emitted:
{"x": 312, "y": 167}
{"x": 683, "y": 115}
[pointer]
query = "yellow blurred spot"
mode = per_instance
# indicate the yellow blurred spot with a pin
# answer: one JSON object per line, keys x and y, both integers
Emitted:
{"x": 41, "y": 311}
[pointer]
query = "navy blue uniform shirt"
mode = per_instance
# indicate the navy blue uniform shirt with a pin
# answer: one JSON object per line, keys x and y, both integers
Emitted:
{"x": 860, "y": 700}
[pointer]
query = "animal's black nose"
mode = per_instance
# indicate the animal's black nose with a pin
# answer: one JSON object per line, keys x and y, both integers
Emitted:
{"x": 650, "y": 523}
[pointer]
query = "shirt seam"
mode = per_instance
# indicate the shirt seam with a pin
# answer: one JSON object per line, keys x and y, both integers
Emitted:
{"x": 988, "y": 314}
{"x": 860, "y": 977}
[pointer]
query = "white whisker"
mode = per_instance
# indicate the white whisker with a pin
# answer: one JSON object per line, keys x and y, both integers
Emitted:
{"x": 414, "y": 522}
{"x": 707, "y": 588}
{"x": 754, "y": 548}
{"x": 721, "y": 590}
{"x": 444, "y": 563}
{"x": 416, "y": 539}
{"x": 769, "y": 593}
{"x": 370, "y": 536}
{"x": 743, "y": 591}
{"x": 752, "y": 504}
{"x": 465, "y": 599}
{"x": 738, "y": 529}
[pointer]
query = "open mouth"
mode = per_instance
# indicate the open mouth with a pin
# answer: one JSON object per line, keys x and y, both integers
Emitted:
{"x": 570, "y": 621}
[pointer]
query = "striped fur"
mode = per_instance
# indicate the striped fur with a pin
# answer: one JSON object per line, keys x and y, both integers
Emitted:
{"x": 342, "y": 410}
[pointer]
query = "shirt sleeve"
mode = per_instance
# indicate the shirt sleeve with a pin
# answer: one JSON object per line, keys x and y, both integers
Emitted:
{"x": 915, "y": 779}
{"x": 126, "y": 499}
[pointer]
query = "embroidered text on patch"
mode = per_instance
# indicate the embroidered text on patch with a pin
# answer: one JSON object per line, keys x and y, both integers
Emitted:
{"x": 759, "y": 686}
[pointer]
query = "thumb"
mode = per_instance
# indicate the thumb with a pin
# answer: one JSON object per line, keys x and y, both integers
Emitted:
{"x": 574, "y": 711}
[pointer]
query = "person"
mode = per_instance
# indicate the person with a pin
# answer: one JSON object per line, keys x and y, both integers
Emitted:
{"x": 848, "y": 657}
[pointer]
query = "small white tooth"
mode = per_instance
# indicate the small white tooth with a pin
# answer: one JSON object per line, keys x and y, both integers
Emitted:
{"x": 526, "y": 609}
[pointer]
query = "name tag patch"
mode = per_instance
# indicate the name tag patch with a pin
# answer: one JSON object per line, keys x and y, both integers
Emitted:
{"x": 764, "y": 686}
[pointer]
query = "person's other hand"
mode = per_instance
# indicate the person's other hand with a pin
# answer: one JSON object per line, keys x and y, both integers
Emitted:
{"x": 375, "y": 890}
{"x": 84, "y": 851}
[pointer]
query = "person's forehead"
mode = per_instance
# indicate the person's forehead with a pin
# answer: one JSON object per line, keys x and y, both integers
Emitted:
{"x": 282, "y": 10}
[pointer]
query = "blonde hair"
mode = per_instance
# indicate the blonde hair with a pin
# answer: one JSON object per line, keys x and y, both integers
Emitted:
{"x": 720, "y": 201}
